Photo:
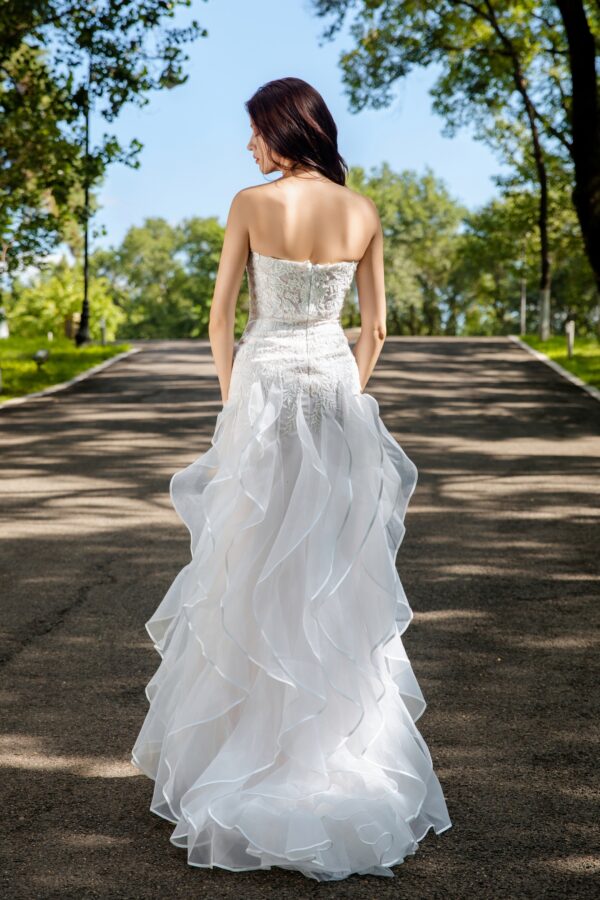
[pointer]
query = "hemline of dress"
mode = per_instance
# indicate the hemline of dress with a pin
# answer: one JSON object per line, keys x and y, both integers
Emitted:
{"x": 332, "y": 875}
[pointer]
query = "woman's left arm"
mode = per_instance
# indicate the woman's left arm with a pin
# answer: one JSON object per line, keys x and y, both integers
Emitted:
{"x": 232, "y": 263}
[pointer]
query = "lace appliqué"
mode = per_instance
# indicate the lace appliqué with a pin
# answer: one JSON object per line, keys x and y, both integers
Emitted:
{"x": 294, "y": 339}
{"x": 294, "y": 291}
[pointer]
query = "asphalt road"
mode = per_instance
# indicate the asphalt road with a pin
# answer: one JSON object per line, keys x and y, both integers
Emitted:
{"x": 500, "y": 565}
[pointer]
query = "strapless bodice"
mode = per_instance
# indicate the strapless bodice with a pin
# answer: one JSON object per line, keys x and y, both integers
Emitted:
{"x": 297, "y": 290}
{"x": 294, "y": 340}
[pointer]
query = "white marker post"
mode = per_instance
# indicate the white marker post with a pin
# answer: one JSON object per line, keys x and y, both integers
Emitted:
{"x": 570, "y": 332}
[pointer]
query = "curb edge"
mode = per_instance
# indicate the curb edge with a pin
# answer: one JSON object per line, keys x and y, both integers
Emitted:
{"x": 589, "y": 388}
{"x": 53, "y": 389}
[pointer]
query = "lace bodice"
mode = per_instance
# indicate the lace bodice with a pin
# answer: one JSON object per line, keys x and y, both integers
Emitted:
{"x": 294, "y": 336}
{"x": 297, "y": 291}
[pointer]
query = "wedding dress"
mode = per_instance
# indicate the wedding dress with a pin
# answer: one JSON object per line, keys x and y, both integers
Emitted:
{"x": 281, "y": 722}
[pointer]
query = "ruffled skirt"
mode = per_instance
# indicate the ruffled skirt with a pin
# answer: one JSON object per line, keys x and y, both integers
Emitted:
{"x": 281, "y": 722}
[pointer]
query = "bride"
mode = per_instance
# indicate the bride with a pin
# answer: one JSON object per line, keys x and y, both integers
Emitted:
{"x": 281, "y": 721}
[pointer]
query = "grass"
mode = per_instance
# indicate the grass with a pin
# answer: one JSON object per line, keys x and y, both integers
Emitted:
{"x": 20, "y": 375}
{"x": 585, "y": 362}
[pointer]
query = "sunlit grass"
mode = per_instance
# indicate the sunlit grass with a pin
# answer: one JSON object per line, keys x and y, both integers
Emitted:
{"x": 585, "y": 362}
{"x": 20, "y": 373}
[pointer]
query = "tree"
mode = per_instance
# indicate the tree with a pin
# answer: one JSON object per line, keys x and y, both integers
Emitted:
{"x": 39, "y": 162}
{"x": 583, "y": 115}
{"x": 162, "y": 277}
{"x": 201, "y": 242}
{"x": 498, "y": 251}
{"x": 500, "y": 62}
{"x": 420, "y": 222}
{"x": 147, "y": 276}
{"x": 46, "y": 47}
{"x": 46, "y": 302}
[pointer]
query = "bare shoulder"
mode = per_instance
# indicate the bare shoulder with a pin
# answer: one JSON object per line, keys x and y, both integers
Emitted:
{"x": 254, "y": 192}
{"x": 364, "y": 205}
{"x": 247, "y": 199}
{"x": 365, "y": 216}
{"x": 242, "y": 199}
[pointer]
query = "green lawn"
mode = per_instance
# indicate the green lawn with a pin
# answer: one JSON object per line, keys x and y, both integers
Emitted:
{"x": 585, "y": 362}
{"x": 20, "y": 374}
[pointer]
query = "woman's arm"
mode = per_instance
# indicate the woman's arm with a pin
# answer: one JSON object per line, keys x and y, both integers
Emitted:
{"x": 230, "y": 272}
{"x": 371, "y": 297}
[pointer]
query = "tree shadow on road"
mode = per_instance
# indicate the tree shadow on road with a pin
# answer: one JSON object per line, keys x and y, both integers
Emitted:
{"x": 499, "y": 564}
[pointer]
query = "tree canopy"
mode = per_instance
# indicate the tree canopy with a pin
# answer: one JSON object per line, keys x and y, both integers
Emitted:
{"x": 56, "y": 58}
{"x": 522, "y": 73}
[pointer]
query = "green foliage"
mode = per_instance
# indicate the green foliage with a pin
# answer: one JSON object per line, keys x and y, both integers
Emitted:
{"x": 147, "y": 278}
{"x": 499, "y": 248}
{"x": 58, "y": 58}
{"x": 585, "y": 362}
{"x": 20, "y": 374}
{"x": 451, "y": 271}
{"x": 503, "y": 70}
{"x": 162, "y": 277}
{"x": 55, "y": 294}
{"x": 39, "y": 158}
{"x": 420, "y": 222}
{"x": 480, "y": 50}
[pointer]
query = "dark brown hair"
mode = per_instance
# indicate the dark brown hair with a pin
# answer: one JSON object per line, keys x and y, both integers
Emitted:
{"x": 294, "y": 121}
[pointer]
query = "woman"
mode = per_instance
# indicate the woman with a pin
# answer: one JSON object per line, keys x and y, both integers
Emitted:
{"x": 281, "y": 723}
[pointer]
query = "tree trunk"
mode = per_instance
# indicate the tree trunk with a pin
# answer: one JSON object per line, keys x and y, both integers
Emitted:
{"x": 542, "y": 173}
{"x": 544, "y": 328}
{"x": 452, "y": 320}
{"x": 540, "y": 163}
{"x": 585, "y": 121}
{"x": 413, "y": 322}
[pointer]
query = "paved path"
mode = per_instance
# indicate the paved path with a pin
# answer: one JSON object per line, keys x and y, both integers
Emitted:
{"x": 500, "y": 563}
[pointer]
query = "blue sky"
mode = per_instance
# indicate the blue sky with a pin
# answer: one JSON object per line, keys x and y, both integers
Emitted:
{"x": 194, "y": 157}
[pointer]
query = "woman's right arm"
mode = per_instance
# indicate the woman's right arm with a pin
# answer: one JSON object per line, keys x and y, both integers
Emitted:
{"x": 371, "y": 298}
{"x": 230, "y": 272}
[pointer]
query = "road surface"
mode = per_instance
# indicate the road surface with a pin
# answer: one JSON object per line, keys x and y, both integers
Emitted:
{"x": 500, "y": 565}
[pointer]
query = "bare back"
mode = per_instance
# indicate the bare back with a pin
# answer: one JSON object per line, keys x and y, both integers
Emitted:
{"x": 307, "y": 219}
{"x": 298, "y": 218}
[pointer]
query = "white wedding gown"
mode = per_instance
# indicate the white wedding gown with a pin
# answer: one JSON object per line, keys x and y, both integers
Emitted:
{"x": 281, "y": 722}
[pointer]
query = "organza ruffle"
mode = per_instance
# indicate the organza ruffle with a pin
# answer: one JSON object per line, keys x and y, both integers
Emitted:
{"x": 281, "y": 722}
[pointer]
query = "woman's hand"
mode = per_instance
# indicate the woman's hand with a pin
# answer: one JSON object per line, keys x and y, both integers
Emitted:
{"x": 366, "y": 352}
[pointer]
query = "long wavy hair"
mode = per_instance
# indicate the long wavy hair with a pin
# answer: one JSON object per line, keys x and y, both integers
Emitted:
{"x": 294, "y": 121}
